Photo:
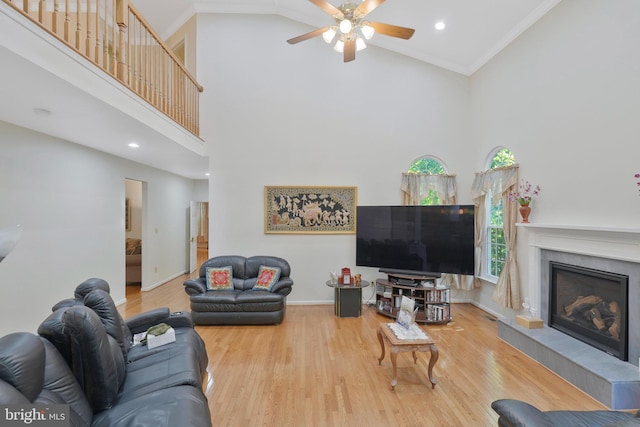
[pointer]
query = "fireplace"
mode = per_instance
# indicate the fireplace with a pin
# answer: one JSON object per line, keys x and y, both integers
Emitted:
{"x": 589, "y": 305}
{"x": 612, "y": 381}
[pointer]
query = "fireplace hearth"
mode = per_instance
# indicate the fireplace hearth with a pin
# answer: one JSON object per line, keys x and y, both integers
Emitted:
{"x": 590, "y": 305}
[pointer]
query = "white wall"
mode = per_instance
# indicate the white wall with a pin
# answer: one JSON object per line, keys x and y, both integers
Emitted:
{"x": 201, "y": 190}
{"x": 276, "y": 114}
{"x": 565, "y": 98}
{"x": 69, "y": 200}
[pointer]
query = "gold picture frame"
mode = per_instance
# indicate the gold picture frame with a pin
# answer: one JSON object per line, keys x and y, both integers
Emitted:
{"x": 307, "y": 210}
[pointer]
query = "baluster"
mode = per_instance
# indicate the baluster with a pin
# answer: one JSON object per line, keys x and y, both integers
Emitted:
{"x": 25, "y": 6}
{"x": 87, "y": 41}
{"x": 96, "y": 48}
{"x": 114, "y": 42}
{"x": 54, "y": 18}
{"x": 139, "y": 40}
{"x": 147, "y": 67}
{"x": 161, "y": 80}
{"x": 135, "y": 58}
{"x": 156, "y": 75}
{"x": 67, "y": 21}
{"x": 122, "y": 7}
{"x": 105, "y": 39}
{"x": 42, "y": 9}
{"x": 78, "y": 25}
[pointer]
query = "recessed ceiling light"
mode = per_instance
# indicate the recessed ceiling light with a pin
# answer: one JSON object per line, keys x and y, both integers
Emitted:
{"x": 207, "y": 174}
{"x": 134, "y": 145}
{"x": 440, "y": 25}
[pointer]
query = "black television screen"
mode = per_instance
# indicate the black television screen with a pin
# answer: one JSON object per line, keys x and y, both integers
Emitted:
{"x": 420, "y": 239}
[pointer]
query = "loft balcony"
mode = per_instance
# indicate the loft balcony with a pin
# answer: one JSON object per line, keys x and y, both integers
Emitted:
{"x": 95, "y": 73}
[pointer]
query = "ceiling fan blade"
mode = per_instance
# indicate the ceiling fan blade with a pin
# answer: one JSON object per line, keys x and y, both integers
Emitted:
{"x": 308, "y": 35}
{"x": 392, "y": 30}
{"x": 349, "y": 50}
{"x": 329, "y": 8}
{"x": 366, "y": 7}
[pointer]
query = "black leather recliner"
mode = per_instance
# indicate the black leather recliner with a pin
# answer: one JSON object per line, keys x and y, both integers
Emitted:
{"x": 241, "y": 305}
{"x": 516, "y": 413}
{"x": 84, "y": 358}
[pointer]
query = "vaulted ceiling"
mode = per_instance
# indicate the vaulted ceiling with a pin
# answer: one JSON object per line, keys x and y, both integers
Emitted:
{"x": 35, "y": 82}
{"x": 475, "y": 30}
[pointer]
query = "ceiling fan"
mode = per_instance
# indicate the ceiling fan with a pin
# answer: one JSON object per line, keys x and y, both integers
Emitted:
{"x": 351, "y": 27}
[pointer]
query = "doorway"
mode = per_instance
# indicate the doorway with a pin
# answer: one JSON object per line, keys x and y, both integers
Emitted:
{"x": 133, "y": 232}
{"x": 199, "y": 234}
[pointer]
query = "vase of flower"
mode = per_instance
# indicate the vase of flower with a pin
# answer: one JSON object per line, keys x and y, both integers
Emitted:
{"x": 523, "y": 197}
{"x": 525, "y": 210}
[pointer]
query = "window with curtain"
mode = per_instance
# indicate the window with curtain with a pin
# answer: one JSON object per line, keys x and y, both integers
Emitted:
{"x": 496, "y": 252}
{"x": 428, "y": 165}
{"x": 495, "y": 244}
{"x": 427, "y": 183}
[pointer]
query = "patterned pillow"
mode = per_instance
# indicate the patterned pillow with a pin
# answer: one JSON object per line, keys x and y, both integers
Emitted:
{"x": 267, "y": 277}
{"x": 219, "y": 278}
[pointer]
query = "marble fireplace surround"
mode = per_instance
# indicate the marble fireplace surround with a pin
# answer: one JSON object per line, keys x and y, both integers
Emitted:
{"x": 613, "y": 382}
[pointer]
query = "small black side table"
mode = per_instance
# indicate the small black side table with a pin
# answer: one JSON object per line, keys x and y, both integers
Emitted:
{"x": 348, "y": 299}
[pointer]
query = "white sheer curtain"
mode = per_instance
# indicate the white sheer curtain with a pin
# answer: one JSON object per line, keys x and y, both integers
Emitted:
{"x": 415, "y": 187}
{"x": 498, "y": 182}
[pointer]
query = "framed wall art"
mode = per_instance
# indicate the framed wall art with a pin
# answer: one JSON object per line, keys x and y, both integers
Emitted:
{"x": 322, "y": 210}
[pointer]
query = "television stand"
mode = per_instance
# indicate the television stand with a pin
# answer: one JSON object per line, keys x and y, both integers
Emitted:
{"x": 432, "y": 300}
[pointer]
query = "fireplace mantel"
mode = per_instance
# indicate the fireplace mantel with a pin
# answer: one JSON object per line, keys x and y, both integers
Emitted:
{"x": 606, "y": 242}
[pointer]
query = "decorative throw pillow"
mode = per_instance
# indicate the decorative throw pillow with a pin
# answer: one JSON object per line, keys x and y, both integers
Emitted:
{"x": 267, "y": 277}
{"x": 219, "y": 278}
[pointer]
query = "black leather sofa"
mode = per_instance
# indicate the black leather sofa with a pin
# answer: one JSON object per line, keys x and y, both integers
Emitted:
{"x": 242, "y": 305}
{"x": 84, "y": 358}
{"x": 516, "y": 413}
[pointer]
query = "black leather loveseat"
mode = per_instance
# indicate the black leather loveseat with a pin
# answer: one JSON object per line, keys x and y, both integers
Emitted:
{"x": 243, "y": 303}
{"x": 516, "y": 413}
{"x": 84, "y": 358}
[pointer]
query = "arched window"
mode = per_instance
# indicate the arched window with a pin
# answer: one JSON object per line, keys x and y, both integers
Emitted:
{"x": 431, "y": 166}
{"x": 496, "y": 253}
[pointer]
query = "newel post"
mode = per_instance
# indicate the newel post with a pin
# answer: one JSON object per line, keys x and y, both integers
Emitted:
{"x": 122, "y": 19}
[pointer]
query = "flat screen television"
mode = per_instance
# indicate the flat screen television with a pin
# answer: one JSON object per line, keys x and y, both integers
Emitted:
{"x": 416, "y": 239}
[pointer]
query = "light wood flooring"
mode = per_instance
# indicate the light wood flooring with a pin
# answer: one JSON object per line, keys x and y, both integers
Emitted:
{"x": 316, "y": 369}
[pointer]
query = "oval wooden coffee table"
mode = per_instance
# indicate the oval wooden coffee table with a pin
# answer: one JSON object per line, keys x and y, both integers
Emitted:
{"x": 398, "y": 345}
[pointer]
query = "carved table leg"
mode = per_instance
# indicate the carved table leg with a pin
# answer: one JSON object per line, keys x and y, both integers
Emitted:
{"x": 432, "y": 361}
{"x": 394, "y": 355}
{"x": 381, "y": 346}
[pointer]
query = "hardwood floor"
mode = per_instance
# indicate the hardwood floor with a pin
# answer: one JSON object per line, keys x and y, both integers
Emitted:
{"x": 321, "y": 370}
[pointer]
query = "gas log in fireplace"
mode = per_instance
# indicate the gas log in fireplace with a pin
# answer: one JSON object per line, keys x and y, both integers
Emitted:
{"x": 590, "y": 305}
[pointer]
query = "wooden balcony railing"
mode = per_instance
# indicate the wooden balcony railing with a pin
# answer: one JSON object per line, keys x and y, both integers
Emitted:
{"x": 114, "y": 36}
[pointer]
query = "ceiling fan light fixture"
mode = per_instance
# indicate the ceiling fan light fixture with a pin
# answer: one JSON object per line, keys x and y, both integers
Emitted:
{"x": 367, "y": 31}
{"x": 350, "y": 28}
{"x": 345, "y": 26}
{"x": 329, "y": 34}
